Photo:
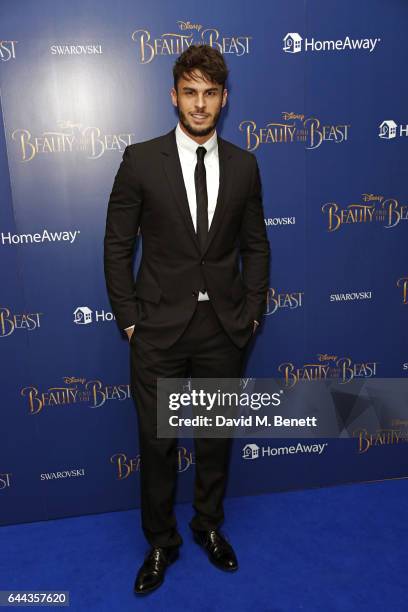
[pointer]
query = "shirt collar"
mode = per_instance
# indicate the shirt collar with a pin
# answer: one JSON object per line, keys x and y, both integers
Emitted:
{"x": 189, "y": 145}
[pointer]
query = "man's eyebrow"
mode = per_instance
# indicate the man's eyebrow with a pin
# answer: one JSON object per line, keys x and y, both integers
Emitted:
{"x": 193, "y": 89}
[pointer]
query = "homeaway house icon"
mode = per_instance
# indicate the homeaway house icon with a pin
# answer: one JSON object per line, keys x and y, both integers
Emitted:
{"x": 388, "y": 129}
{"x": 292, "y": 43}
{"x": 250, "y": 451}
{"x": 82, "y": 315}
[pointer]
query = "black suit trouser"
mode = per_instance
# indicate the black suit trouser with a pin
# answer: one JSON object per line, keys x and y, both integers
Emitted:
{"x": 204, "y": 350}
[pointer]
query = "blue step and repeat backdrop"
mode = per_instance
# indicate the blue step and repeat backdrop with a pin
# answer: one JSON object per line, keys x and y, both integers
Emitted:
{"x": 318, "y": 92}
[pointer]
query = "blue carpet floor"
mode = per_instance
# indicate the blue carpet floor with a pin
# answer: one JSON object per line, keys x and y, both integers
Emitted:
{"x": 339, "y": 548}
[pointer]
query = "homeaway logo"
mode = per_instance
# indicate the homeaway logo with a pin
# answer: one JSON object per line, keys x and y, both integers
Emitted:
{"x": 38, "y": 238}
{"x": 389, "y": 129}
{"x": 294, "y": 43}
{"x": 83, "y": 315}
{"x": 252, "y": 451}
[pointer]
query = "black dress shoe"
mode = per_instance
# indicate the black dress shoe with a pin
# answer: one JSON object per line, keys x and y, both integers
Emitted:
{"x": 219, "y": 551}
{"x": 151, "y": 574}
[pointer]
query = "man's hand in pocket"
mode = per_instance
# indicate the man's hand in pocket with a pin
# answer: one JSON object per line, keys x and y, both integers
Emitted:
{"x": 130, "y": 331}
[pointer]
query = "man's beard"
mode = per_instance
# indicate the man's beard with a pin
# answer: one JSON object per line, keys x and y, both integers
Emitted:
{"x": 198, "y": 131}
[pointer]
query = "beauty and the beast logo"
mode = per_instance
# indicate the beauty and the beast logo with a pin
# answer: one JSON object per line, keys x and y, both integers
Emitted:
{"x": 5, "y": 480}
{"x": 293, "y": 128}
{"x": 403, "y": 283}
{"x": 10, "y": 322}
{"x": 373, "y": 209}
{"x": 174, "y": 43}
{"x": 382, "y": 437}
{"x": 75, "y": 390}
{"x": 7, "y": 50}
{"x": 276, "y": 301}
{"x": 327, "y": 367}
{"x": 71, "y": 137}
{"x": 126, "y": 466}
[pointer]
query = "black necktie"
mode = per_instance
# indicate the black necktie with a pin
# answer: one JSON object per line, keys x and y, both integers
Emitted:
{"x": 201, "y": 197}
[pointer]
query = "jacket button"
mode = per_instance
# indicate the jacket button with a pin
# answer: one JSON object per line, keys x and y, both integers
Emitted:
{"x": 195, "y": 293}
{"x": 202, "y": 262}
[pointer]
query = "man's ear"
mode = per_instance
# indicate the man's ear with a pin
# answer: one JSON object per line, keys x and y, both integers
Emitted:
{"x": 173, "y": 94}
{"x": 224, "y": 97}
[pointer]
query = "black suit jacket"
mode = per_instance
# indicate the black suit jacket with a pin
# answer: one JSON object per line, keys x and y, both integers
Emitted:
{"x": 149, "y": 193}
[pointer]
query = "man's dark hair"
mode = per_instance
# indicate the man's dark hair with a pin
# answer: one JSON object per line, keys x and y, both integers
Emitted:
{"x": 204, "y": 58}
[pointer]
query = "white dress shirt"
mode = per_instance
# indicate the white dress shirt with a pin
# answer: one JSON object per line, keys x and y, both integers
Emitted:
{"x": 187, "y": 150}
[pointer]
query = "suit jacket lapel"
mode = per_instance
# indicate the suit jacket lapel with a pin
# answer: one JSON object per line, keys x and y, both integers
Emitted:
{"x": 224, "y": 190}
{"x": 174, "y": 173}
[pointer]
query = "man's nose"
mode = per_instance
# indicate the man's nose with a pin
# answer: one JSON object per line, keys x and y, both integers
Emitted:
{"x": 200, "y": 102}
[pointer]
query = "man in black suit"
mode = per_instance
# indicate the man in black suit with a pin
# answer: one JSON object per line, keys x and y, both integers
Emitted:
{"x": 197, "y": 201}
